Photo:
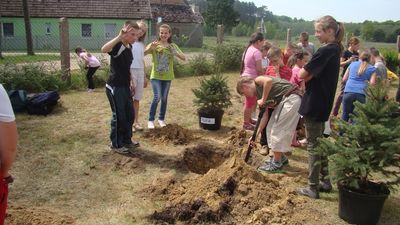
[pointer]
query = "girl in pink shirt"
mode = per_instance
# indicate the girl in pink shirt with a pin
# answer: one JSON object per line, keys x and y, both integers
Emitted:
{"x": 296, "y": 62}
{"x": 251, "y": 67}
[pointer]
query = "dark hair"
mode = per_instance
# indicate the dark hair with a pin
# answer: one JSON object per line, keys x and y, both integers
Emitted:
{"x": 304, "y": 35}
{"x": 296, "y": 56}
{"x": 257, "y": 36}
{"x": 169, "y": 29}
{"x": 374, "y": 52}
{"x": 328, "y": 22}
{"x": 78, "y": 50}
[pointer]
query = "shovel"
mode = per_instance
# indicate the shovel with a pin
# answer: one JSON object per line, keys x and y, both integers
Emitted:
{"x": 253, "y": 137}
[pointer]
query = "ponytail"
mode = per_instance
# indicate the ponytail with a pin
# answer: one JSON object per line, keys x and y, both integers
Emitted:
{"x": 328, "y": 22}
{"x": 257, "y": 36}
{"x": 339, "y": 35}
{"x": 365, "y": 58}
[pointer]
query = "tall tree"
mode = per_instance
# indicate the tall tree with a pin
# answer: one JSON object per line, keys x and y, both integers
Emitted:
{"x": 221, "y": 12}
{"x": 28, "y": 30}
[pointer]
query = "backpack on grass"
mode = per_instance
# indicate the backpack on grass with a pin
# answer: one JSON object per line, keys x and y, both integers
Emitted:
{"x": 18, "y": 100}
{"x": 42, "y": 103}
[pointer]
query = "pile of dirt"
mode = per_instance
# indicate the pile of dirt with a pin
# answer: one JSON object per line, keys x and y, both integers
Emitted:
{"x": 204, "y": 156}
{"x": 233, "y": 193}
{"x": 238, "y": 138}
{"x": 170, "y": 133}
{"x": 36, "y": 216}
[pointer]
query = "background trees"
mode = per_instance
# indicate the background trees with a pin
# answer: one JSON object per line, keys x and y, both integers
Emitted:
{"x": 243, "y": 18}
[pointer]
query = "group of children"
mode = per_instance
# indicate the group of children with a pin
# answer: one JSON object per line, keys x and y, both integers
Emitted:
{"x": 302, "y": 82}
{"x": 299, "y": 81}
{"x": 302, "y": 86}
{"x": 124, "y": 88}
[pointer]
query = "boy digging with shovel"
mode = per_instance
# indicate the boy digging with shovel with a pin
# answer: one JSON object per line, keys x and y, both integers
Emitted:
{"x": 286, "y": 99}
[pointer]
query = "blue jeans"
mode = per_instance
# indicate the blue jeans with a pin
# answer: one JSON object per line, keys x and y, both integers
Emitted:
{"x": 160, "y": 92}
{"x": 348, "y": 103}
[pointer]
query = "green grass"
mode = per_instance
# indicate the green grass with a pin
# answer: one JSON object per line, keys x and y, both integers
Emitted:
{"x": 19, "y": 58}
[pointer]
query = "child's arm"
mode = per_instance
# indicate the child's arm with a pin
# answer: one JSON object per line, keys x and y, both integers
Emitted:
{"x": 177, "y": 52}
{"x": 346, "y": 75}
{"x": 266, "y": 83}
{"x": 150, "y": 47}
{"x": 107, "y": 47}
{"x": 372, "y": 80}
{"x": 305, "y": 75}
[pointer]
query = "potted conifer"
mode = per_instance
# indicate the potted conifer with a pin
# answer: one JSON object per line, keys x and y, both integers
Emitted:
{"x": 365, "y": 158}
{"x": 212, "y": 97}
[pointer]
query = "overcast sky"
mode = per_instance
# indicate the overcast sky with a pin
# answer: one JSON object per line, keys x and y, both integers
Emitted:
{"x": 341, "y": 10}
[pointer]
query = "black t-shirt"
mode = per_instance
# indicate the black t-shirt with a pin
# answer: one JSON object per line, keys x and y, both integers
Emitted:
{"x": 120, "y": 65}
{"x": 320, "y": 90}
{"x": 346, "y": 55}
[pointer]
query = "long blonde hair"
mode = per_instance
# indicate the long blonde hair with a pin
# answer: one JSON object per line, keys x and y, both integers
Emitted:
{"x": 365, "y": 59}
{"x": 328, "y": 22}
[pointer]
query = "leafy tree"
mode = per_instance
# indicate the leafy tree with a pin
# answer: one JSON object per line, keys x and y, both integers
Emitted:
{"x": 379, "y": 35}
{"x": 221, "y": 12}
{"x": 368, "y": 30}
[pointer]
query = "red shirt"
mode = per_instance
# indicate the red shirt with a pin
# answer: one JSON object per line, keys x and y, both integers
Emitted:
{"x": 284, "y": 72}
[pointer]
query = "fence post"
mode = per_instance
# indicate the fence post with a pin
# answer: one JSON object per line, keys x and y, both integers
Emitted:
{"x": 398, "y": 44}
{"x": 28, "y": 28}
{"x": 64, "y": 50}
{"x": 220, "y": 34}
{"x": 288, "y": 36}
{"x": 1, "y": 39}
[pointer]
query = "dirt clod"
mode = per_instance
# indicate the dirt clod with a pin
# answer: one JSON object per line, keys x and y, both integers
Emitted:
{"x": 36, "y": 216}
{"x": 238, "y": 138}
{"x": 170, "y": 133}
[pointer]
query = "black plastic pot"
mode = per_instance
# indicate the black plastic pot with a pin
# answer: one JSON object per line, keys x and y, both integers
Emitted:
{"x": 210, "y": 120}
{"x": 359, "y": 208}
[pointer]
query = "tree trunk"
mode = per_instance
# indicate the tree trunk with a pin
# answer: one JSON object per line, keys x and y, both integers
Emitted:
{"x": 28, "y": 30}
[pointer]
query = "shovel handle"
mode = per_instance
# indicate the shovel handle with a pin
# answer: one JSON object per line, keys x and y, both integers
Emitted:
{"x": 253, "y": 137}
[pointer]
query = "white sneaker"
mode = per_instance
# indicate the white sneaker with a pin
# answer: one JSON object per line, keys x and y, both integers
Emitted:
{"x": 162, "y": 123}
{"x": 150, "y": 124}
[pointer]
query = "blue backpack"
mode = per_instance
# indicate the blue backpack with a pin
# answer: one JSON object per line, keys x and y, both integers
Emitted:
{"x": 42, "y": 103}
{"x": 18, "y": 100}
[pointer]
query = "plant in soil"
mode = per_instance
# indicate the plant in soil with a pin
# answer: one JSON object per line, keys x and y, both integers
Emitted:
{"x": 212, "y": 95}
{"x": 369, "y": 147}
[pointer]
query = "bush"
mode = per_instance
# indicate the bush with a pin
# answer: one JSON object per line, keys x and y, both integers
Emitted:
{"x": 31, "y": 77}
{"x": 181, "y": 69}
{"x": 391, "y": 59}
{"x": 228, "y": 56}
{"x": 200, "y": 65}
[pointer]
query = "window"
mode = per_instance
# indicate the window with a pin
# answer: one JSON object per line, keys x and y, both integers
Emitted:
{"x": 109, "y": 30}
{"x": 48, "y": 28}
{"x": 87, "y": 30}
{"x": 8, "y": 29}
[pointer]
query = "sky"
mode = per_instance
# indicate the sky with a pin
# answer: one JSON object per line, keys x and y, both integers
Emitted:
{"x": 342, "y": 10}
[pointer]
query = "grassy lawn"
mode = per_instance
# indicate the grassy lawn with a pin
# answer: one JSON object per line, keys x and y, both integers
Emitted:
{"x": 66, "y": 174}
{"x": 23, "y": 58}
